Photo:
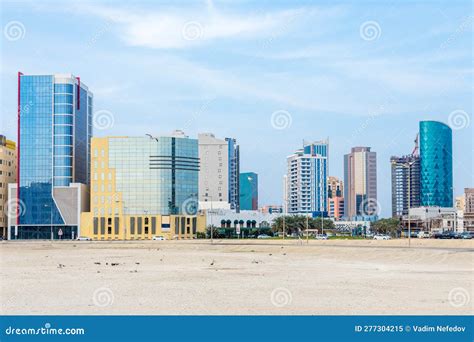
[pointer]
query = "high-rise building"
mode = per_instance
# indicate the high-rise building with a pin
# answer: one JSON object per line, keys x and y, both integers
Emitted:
{"x": 335, "y": 198}
{"x": 142, "y": 187}
{"x": 307, "y": 179}
{"x": 360, "y": 184}
{"x": 405, "y": 184}
{"x": 234, "y": 173}
{"x": 436, "y": 160}
{"x": 248, "y": 191}
{"x": 55, "y": 127}
{"x": 8, "y": 170}
{"x": 219, "y": 172}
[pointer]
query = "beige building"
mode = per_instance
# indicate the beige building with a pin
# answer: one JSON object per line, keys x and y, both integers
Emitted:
{"x": 8, "y": 170}
{"x": 360, "y": 183}
{"x": 214, "y": 171}
{"x": 469, "y": 209}
{"x": 461, "y": 202}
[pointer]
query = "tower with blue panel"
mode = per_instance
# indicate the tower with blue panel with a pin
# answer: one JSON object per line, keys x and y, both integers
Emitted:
{"x": 248, "y": 191}
{"x": 54, "y": 131}
{"x": 319, "y": 152}
{"x": 436, "y": 164}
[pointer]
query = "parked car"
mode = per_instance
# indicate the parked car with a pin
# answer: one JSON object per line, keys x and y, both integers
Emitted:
{"x": 466, "y": 235}
{"x": 321, "y": 237}
{"x": 423, "y": 235}
{"x": 158, "y": 238}
{"x": 83, "y": 238}
{"x": 446, "y": 235}
{"x": 381, "y": 237}
{"x": 263, "y": 236}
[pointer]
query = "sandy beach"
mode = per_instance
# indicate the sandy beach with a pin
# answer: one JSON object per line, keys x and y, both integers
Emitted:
{"x": 249, "y": 277}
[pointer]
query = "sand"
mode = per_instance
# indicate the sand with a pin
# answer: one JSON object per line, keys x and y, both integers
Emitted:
{"x": 246, "y": 277}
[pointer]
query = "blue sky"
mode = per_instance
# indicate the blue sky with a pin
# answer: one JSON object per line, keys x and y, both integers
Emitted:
{"x": 361, "y": 73}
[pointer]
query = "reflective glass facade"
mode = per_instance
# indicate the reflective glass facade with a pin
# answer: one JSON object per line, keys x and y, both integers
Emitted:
{"x": 248, "y": 191}
{"x": 53, "y": 148}
{"x": 436, "y": 164}
{"x": 154, "y": 176}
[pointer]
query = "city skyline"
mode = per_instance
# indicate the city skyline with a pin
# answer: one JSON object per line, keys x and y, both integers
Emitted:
{"x": 384, "y": 117}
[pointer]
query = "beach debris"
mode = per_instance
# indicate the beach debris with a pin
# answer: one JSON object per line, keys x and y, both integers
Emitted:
{"x": 97, "y": 263}
{"x": 137, "y": 263}
{"x": 114, "y": 264}
{"x": 61, "y": 265}
{"x": 212, "y": 263}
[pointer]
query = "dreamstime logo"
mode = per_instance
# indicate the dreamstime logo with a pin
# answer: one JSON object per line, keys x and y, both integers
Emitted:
{"x": 14, "y": 208}
{"x": 459, "y": 297}
{"x": 190, "y": 206}
{"x": 281, "y": 297}
{"x": 370, "y": 30}
{"x": 458, "y": 119}
{"x": 281, "y": 119}
{"x": 103, "y": 119}
{"x": 103, "y": 296}
{"x": 192, "y": 30}
{"x": 370, "y": 207}
{"x": 14, "y": 30}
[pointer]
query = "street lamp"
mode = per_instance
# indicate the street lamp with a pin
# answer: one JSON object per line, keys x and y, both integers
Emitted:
{"x": 210, "y": 219}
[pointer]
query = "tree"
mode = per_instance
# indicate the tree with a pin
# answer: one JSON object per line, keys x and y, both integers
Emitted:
{"x": 389, "y": 226}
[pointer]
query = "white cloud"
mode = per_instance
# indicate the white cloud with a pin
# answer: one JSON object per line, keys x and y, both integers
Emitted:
{"x": 172, "y": 29}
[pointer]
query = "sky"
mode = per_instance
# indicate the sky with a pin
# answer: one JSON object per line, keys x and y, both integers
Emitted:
{"x": 269, "y": 73}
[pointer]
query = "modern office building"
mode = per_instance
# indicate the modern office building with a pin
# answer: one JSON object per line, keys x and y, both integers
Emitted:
{"x": 248, "y": 191}
{"x": 405, "y": 184}
{"x": 360, "y": 184}
{"x": 8, "y": 170}
{"x": 234, "y": 173}
{"x": 219, "y": 172}
{"x": 55, "y": 127}
{"x": 436, "y": 164}
{"x": 335, "y": 198}
{"x": 307, "y": 190}
{"x": 142, "y": 187}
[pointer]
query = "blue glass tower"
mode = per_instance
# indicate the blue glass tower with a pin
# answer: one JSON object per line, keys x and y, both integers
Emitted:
{"x": 436, "y": 164}
{"x": 248, "y": 191}
{"x": 54, "y": 131}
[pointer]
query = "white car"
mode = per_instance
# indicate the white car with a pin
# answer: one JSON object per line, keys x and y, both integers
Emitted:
{"x": 381, "y": 237}
{"x": 423, "y": 235}
{"x": 158, "y": 238}
{"x": 321, "y": 237}
{"x": 83, "y": 238}
{"x": 263, "y": 236}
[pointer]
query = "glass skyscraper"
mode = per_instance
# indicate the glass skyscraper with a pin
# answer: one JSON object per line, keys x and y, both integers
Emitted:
{"x": 54, "y": 131}
{"x": 248, "y": 191}
{"x": 436, "y": 164}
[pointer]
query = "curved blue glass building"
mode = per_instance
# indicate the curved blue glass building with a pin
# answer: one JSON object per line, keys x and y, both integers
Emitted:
{"x": 436, "y": 164}
{"x": 54, "y": 132}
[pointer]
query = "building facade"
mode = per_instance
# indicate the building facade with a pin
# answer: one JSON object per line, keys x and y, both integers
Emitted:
{"x": 8, "y": 170}
{"x": 142, "y": 187}
{"x": 55, "y": 127}
{"x": 360, "y": 184}
{"x": 248, "y": 191}
{"x": 218, "y": 175}
{"x": 306, "y": 180}
{"x": 234, "y": 173}
{"x": 335, "y": 198}
{"x": 436, "y": 157}
{"x": 469, "y": 209}
{"x": 405, "y": 184}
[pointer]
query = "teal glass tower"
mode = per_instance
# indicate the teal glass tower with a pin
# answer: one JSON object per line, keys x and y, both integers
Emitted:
{"x": 248, "y": 191}
{"x": 436, "y": 164}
